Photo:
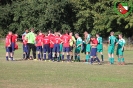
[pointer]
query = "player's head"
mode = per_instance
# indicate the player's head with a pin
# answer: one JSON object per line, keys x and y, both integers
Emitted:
{"x": 46, "y": 34}
{"x": 49, "y": 31}
{"x": 26, "y": 31}
{"x": 16, "y": 35}
{"x": 10, "y": 32}
{"x": 76, "y": 35}
{"x": 66, "y": 31}
{"x": 40, "y": 32}
{"x": 85, "y": 32}
{"x": 120, "y": 36}
{"x": 32, "y": 30}
{"x": 112, "y": 33}
{"x": 70, "y": 33}
{"x": 97, "y": 35}
{"x": 93, "y": 37}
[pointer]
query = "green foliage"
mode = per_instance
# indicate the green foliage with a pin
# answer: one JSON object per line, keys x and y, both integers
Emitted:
{"x": 76, "y": 15}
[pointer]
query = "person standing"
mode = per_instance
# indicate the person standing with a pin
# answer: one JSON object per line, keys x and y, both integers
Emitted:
{"x": 31, "y": 44}
{"x": 8, "y": 46}
{"x": 120, "y": 50}
{"x": 111, "y": 47}
{"x": 100, "y": 45}
{"x": 78, "y": 47}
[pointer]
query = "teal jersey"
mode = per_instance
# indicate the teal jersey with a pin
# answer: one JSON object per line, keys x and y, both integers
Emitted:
{"x": 121, "y": 43}
{"x": 78, "y": 41}
{"x": 88, "y": 38}
{"x": 112, "y": 40}
{"x": 100, "y": 40}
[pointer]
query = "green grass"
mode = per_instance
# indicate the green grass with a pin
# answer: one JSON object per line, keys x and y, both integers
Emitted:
{"x": 39, "y": 74}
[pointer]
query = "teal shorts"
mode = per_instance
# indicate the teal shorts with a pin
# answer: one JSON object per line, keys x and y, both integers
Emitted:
{"x": 88, "y": 48}
{"x": 111, "y": 49}
{"x": 119, "y": 52}
{"x": 99, "y": 50}
{"x": 78, "y": 50}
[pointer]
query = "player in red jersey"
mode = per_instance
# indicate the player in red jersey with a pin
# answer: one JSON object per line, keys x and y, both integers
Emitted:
{"x": 39, "y": 44}
{"x": 13, "y": 44}
{"x": 8, "y": 46}
{"x": 46, "y": 46}
{"x": 25, "y": 48}
{"x": 56, "y": 49}
{"x": 93, "y": 53}
{"x": 66, "y": 41}
{"x": 51, "y": 37}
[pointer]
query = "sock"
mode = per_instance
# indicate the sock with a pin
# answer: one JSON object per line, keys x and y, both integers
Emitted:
{"x": 71, "y": 57}
{"x": 44, "y": 56}
{"x": 112, "y": 60}
{"x": 91, "y": 60}
{"x": 102, "y": 57}
{"x": 68, "y": 57}
{"x": 119, "y": 60}
{"x": 49, "y": 56}
{"x": 58, "y": 59}
{"x": 62, "y": 57}
{"x": 23, "y": 56}
{"x": 97, "y": 59}
{"x": 7, "y": 58}
{"x": 78, "y": 57}
{"x": 12, "y": 58}
{"x": 75, "y": 57}
{"x": 122, "y": 59}
{"x": 87, "y": 58}
{"x": 38, "y": 56}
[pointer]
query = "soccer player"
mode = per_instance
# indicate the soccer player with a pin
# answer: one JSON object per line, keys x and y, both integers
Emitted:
{"x": 120, "y": 49}
{"x": 72, "y": 45}
{"x": 56, "y": 49}
{"x": 61, "y": 46}
{"x": 31, "y": 44}
{"x": 66, "y": 40}
{"x": 8, "y": 46}
{"x": 46, "y": 46}
{"x": 13, "y": 42}
{"x": 78, "y": 47}
{"x": 93, "y": 52}
{"x": 100, "y": 45}
{"x": 51, "y": 37}
{"x": 112, "y": 40}
{"x": 88, "y": 46}
{"x": 39, "y": 44}
{"x": 25, "y": 48}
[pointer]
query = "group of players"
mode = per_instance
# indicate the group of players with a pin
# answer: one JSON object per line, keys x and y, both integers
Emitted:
{"x": 53, "y": 46}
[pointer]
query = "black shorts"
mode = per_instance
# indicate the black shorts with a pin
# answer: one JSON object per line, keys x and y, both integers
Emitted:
{"x": 71, "y": 48}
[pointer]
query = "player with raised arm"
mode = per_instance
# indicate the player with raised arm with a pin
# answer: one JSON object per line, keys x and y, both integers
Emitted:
{"x": 120, "y": 50}
{"x": 111, "y": 47}
{"x": 100, "y": 45}
{"x": 66, "y": 40}
{"x": 78, "y": 47}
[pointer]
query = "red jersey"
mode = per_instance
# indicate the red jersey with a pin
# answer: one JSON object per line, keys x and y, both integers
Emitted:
{"x": 94, "y": 41}
{"x": 51, "y": 37}
{"x": 46, "y": 40}
{"x": 14, "y": 38}
{"x": 66, "y": 38}
{"x": 24, "y": 40}
{"x": 8, "y": 40}
{"x": 39, "y": 40}
{"x": 57, "y": 40}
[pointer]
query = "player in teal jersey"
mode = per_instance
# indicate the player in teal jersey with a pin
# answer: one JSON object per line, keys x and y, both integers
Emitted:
{"x": 100, "y": 45}
{"x": 120, "y": 49}
{"x": 78, "y": 47}
{"x": 88, "y": 46}
{"x": 112, "y": 40}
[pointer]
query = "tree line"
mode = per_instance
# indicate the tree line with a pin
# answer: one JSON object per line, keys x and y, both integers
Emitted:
{"x": 94, "y": 16}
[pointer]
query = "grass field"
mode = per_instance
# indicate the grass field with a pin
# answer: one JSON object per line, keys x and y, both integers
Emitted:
{"x": 40, "y": 74}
